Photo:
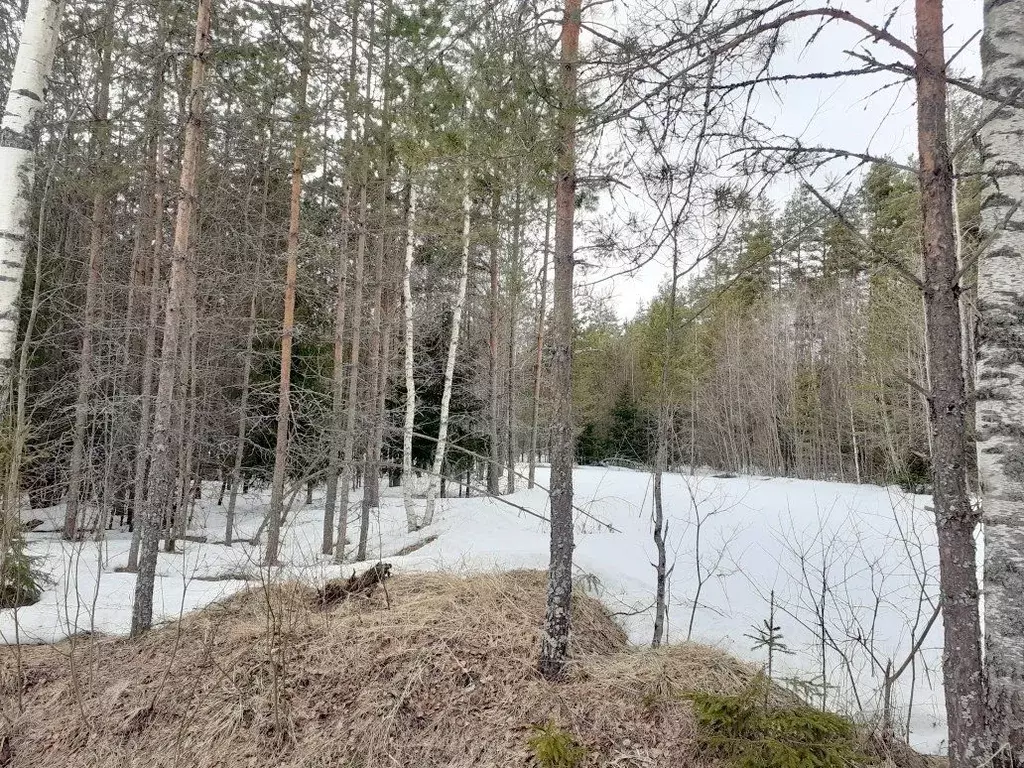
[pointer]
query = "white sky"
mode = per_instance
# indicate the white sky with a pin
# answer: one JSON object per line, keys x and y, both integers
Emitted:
{"x": 845, "y": 114}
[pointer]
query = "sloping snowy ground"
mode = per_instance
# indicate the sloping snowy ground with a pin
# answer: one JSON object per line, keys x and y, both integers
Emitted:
{"x": 851, "y": 571}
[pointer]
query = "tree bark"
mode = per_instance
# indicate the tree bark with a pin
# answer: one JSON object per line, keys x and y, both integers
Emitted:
{"x": 30, "y": 81}
{"x": 161, "y": 480}
{"x": 954, "y": 515}
{"x": 554, "y": 652}
{"x": 1000, "y": 378}
{"x": 352, "y": 404}
{"x": 410, "y": 380}
{"x": 453, "y": 351}
{"x": 288, "y": 321}
{"x": 338, "y": 373}
{"x": 538, "y": 362}
{"x": 243, "y": 421}
{"x": 494, "y": 454}
{"x": 86, "y": 380}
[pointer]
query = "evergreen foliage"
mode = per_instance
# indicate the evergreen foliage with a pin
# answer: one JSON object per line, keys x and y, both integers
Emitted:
{"x": 553, "y": 747}
{"x": 748, "y": 733}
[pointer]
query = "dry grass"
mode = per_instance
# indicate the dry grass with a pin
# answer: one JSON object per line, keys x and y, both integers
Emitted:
{"x": 443, "y": 677}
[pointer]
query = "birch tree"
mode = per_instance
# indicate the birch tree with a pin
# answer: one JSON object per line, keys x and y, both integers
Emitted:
{"x": 409, "y": 360}
{"x": 1000, "y": 375}
{"x": 453, "y": 351}
{"x": 25, "y": 101}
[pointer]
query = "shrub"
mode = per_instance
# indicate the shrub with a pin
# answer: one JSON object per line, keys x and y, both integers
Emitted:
{"x": 553, "y": 747}
{"x": 19, "y": 579}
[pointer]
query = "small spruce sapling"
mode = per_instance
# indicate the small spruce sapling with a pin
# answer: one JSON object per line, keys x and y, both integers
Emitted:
{"x": 769, "y": 635}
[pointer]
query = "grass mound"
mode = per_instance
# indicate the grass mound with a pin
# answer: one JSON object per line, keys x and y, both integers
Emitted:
{"x": 434, "y": 670}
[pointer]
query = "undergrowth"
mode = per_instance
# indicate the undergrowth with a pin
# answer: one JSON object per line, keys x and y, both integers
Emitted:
{"x": 747, "y": 732}
{"x": 553, "y": 747}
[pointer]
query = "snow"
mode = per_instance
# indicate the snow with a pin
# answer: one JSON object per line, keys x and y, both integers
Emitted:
{"x": 858, "y": 560}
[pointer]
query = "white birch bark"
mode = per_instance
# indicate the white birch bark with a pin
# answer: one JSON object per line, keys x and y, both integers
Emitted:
{"x": 25, "y": 101}
{"x": 453, "y": 351}
{"x": 1000, "y": 382}
{"x": 410, "y": 381}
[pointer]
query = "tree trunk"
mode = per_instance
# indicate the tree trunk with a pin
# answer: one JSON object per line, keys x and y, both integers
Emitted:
{"x": 1000, "y": 378}
{"x": 538, "y": 362}
{"x": 352, "y": 405}
{"x": 30, "y": 81}
{"x": 148, "y": 357}
{"x": 494, "y": 463}
{"x": 86, "y": 381}
{"x": 554, "y": 652}
{"x": 954, "y": 516}
{"x": 410, "y": 380}
{"x": 338, "y": 373}
{"x": 161, "y": 480}
{"x": 510, "y": 379}
{"x": 243, "y": 408}
{"x": 288, "y": 322}
{"x": 453, "y": 351}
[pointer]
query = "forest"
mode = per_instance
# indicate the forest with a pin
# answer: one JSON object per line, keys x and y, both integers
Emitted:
{"x": 339, "y": 267}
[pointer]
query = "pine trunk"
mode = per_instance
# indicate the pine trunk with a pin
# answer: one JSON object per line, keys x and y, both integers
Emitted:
{"x": 161, "y": 480}
{"x": 555, "y": 637}
{"x": 288, "y": 321}
{"x": 954, "y": 515}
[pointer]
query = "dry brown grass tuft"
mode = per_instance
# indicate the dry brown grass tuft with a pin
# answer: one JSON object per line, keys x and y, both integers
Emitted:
{"x": 444, "y": 677}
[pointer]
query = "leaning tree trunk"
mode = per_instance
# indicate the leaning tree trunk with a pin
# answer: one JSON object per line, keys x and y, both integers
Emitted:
{"x": 955, "y": 517}
{"x": 288, "y": 322}
{"x": 161, "y": 480}
{"x": 449, "y": 368}
{"x": 30, "y": 81}
{"x": 410, "y": 380}
{"x": 554, "y": 652}
{"x": 1000, "y": 382}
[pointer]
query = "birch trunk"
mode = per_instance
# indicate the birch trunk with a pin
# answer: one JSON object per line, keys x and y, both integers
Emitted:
{"x": 538, "y": 362}
{"x": 554, "y": 651}
{"x": 494, "y": 462}
{"x": 449, "y": 370}
{"x": 288, "y": 322}
{"x": 954, "y": 516}
{"x": 25, "y": 100}
{"x": 161, "y": 480}
{"x": 410, "y": 380}
{"x": 1000, "y": 376}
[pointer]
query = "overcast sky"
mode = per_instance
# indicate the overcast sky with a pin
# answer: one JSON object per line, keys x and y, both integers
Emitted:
{"x": 847, "y": 114}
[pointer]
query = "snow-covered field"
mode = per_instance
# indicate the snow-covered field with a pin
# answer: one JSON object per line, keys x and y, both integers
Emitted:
{"x": 851, "y": 570}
